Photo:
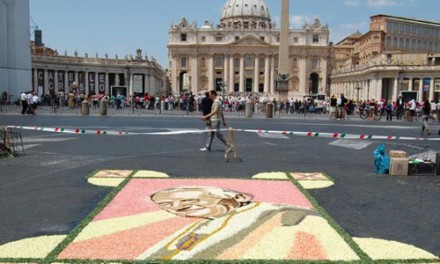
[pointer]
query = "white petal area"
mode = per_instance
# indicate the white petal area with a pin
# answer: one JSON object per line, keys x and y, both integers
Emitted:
{"x": 386, "y": 249}
{"x": 150, "y": 174}
{"x": 106, "y": 182}
{"x": 271, "y": 176}
{"x": 316, "y": 184}
{"x": 114, "y": 225}
{"x": 36, "y": 247}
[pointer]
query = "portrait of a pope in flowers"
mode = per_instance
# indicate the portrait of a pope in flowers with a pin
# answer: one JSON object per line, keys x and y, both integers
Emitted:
{"x": 224, "y": 219}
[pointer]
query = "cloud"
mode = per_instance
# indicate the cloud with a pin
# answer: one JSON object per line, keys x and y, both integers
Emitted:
{"x": 298, "y": 21}
{"x": 352, "y": 2}
{"x": 381, "y": 3}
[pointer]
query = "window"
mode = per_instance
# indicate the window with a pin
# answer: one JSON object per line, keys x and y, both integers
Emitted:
{"x": 249, "y": 62}
{"x": 315, "y": 39}
{"x": 262, "y": 63}
{"x": 183, "y": 62}
{"x": 315, "y": 64}
{"x": 219, "y": 39}
{"x": 295, "y": 40}
{"x": 203, "y": 63}
{"x": 388, "y": 42}
{"x": 236, "y": 62}
{"x": 183, "y": 37}
{"x": 237, "y": 38}
{"x": 218, "y": 62}
{"x": 203, "y": 39}
{"x": 262, "y": 39}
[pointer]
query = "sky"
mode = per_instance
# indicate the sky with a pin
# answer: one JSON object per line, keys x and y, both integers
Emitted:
{"x": 122, "y": 26}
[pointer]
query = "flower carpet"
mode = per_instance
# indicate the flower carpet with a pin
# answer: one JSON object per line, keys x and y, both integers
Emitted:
{"x": 152, "y": 217}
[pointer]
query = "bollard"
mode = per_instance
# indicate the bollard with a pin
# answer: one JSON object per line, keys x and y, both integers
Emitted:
{"x": 162, "y": 106}
{"x": 103, "y": 105}
{"x": 85, "y": 109}
{"x": 249, "y": 111}
{"x": 269, "y": 110}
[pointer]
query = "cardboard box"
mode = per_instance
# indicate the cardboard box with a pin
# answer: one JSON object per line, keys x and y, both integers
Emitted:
{"x": 399, "y": 167}
{"x": 398, "y": 154}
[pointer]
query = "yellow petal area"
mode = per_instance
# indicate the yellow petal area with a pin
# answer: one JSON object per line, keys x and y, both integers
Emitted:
{"x": 37, "y": 247}
{"x": 106, "y": 182}
{"x": 317, "y": 184}
{"x": 109, "y": 226}
{"x": 271, "y": 176}
{"x": 334, "y": 245}
{"x": 150, "y": 174}
{"x": 277, "y": 243}
{"x": 386, "y": 249}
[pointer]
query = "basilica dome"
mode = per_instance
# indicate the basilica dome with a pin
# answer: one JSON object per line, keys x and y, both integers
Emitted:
{"x": 246, "y": 14}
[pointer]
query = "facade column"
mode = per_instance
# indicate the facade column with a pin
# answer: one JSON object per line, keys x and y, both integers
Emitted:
{"x": 211, "y": 73}
{"x": 303, "y": 79}
{"x": 107, "y": 84}
{"x": 174, "y": 77}
{"x": 35, "y": 84}
{"x": 231, "y": 74}
{"x": 194, "y": 69}
{"x": 431, "y": 90}
{"x": 395, "y": 89}
{"x": 272, "y": 75}
{"x": 86, "y": 77}
{"x": 76, "y": 78}
{"x": 241, "y": 74}
{"x": 66, "y": 82}
{"x": 421, "y": 90}
{"x": 323, "y": 67}
{"x": 225, "y": 72}
{"x": 410, "y": 86}
{"x": 256, "y": 74}
{"x": 152, "y": 84}
{"x": 55, "y": 80}
{"x": 117, "y": 81}
{"x": 378, "y": 90}
{"x": 266, "y": 74}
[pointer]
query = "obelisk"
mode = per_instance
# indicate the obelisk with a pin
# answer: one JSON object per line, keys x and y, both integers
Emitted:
{"x": 283, "y": 58}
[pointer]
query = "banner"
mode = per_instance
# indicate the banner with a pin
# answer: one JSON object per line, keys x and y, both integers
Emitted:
{"x": 82, "y": 82}
{"x": 40, "y": 81}
{"x": 101, "y": 83}
{"x": 92, "y": 83}
{"x": 51, "y": 81}
{"x": 61, "y": 81}
{"x": 138, "y": 83}
{"x": 70, "y": 78}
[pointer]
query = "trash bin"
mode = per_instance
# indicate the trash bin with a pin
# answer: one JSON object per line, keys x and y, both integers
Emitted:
{"x": 85, "y": 109}
{"x": 249, "y": 110}
{"x": 103, "y": 106}
{"x": 269, "y": 110}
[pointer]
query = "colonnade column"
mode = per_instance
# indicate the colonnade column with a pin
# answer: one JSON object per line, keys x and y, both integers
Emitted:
{"x": 266, "y": 74}
{"x": 35, "y": 84}
{"x": 55, "y": 82}
{"x": 231, "y": 74}
{"x": 151, "y": 81}
{"x": 46, "y": 83}
{"x": 410, "y": 86}
{"x": 378, "y": 90}
{"x": 256, "y": 74}
{"x": 431, "y": 90}
{"x": 211, "y": 73}
{"x": 242, "y": 73}
{"x": 395, "y": 89}
{"x": 107, "y": 84}
{"x": 421, "y": 90}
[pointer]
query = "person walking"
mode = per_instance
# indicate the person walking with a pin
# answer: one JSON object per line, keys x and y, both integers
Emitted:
{"x": 216, "y": 117}
{"x": 426, "y": 114}
{"x": 389, "y": 110}
{"x": 24, "y": 103}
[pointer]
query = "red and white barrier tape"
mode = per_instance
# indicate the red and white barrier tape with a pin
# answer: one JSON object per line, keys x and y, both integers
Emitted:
{"x": 182, "y": 132}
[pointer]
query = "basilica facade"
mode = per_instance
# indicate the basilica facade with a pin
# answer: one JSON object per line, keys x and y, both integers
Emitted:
{"x": 240, "y": 54}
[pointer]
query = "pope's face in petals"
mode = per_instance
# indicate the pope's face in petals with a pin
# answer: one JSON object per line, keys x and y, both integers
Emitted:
{"x": 198, "y": 201}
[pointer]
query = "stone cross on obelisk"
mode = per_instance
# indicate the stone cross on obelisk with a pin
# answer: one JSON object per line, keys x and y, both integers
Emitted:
{"x": 283, "y": 58}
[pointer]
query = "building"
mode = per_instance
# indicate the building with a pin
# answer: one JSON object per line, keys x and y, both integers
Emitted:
{"x": 397, "y": 56}
{"x": 53, "y": 73}
{"x": 241, "y": 53}
{"x": 15, "y": 55}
